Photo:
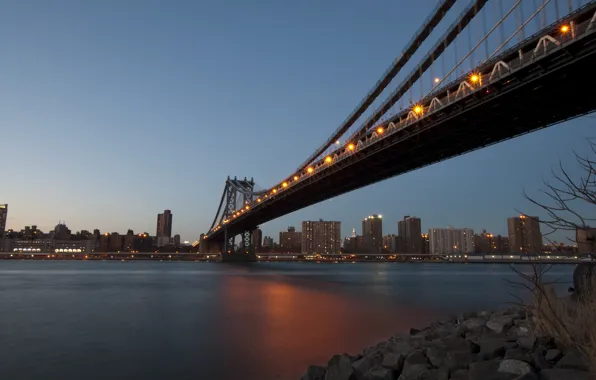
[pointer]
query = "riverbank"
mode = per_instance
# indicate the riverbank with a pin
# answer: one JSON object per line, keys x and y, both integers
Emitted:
{"x": 499, "y": 345}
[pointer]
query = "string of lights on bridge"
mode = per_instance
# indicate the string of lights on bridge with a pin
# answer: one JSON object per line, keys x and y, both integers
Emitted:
{"x": 469, "y": 84}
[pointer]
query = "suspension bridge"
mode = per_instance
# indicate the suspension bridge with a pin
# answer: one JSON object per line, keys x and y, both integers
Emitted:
{"x": 518, "y": 66}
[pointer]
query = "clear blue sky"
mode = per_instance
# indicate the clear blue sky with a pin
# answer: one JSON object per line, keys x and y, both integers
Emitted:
{"x": 113, "y": 110}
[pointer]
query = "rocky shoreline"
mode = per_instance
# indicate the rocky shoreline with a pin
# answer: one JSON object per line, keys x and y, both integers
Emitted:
{"x": 499, "y": 345}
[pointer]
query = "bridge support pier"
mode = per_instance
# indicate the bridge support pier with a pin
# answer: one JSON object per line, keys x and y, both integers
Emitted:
{"x": 245, "y": 252}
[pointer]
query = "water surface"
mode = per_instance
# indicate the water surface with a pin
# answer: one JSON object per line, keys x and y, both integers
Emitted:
{"x": 183, "y": 320}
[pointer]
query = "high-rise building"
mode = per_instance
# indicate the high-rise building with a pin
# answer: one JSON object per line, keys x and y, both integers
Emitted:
{"x": 177, "y": 241}
{"x": 268, "y": 242}
{"x": 321, "y": 237}
{"x": 257, "y": 239}
{"x": 290, "y": 240}
{"x": 390, "y": 243}
{"x": 409, "y": 233}
{"x": 164, "y": 224}
{"x": 451, "y": 240}
{"x": 3, "y": 218}
{"x": 524, "y": 234}
{"x": 586, "y": 240}
{"x": 372, "y": 233}
{"x": 488, "y": 243}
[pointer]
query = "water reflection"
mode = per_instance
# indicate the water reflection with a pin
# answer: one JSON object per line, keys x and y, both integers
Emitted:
{"x": 280, "y": 327}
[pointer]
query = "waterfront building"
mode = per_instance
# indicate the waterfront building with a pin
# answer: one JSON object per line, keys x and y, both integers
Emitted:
{"x": 3, "y": 218}
{"x": 290, "y": 240}
{"x": 164, "y": 224}
{"x": 268, "y": 242}
{"x": 177, "y": 241}
{"x": 116, "y": 242}
{"x": 390, "y": 243}
{"x": 372, "y": 233}
{"x": 451, "y": 240}
{"x": 425, "y": 244}
{"x": 321, "y": 237}
{"x": 524, "y": 234}
{"x": 409, "y": 235}
{"x": 257, "y": 238}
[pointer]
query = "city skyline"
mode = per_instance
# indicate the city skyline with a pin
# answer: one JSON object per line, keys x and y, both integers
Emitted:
{"x": 107, "y": 112}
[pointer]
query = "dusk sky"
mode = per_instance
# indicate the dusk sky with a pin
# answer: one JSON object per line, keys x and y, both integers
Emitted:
{"x": 112, "y": 111}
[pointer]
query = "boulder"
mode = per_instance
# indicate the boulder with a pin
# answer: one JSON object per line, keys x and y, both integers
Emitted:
{"x": 314, "y": 372}
{"x": 461, "y": 374}
{"x": 456, "y": 360}
{"x": 340, "y": 368}
{"x": 487, "y": 370}
{"x": 564, "y": 374}
{"x": 553, "y": 355}
{"x": 539, "y": 361}
{"x": 398, "y": 347}
{"x": 417, "y": 357}
{"x": 393, "y": 361}
{"x": 415, "y": 331}
{"x": 499, "y": 323}
{"x": 366, "y": 363}
{"x": 491, "y": 349}
{"x": 518, "y": 354}
{"x": 573, "y": 360}
{"x": 380, "y": 373}
{"x": 516, "y": 367}
{"x": 527, "y": 342}
{"x": 474, "y": 324}
{"x": 415, "y": 372}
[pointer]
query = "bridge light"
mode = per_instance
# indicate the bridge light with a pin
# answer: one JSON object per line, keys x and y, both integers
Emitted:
{"x": 380, "y": 130}
{"x": 565, "y": 28}
{"x": 351, "y": 146}
{"x": 337, "y": 142}
{"x": 247, "y": 207}
{"x": 437, "y": 80}
{"x": 328, "y": 159}
{"x": 418, "y": 109}
{"x": 295, "y": 178}
{"x": 259, "y": 200}
{"x": 285, "y": 184}
{"x": 274, "y": 191}
{"x": 474, "y": 78}
{"x": 310, "y": 169}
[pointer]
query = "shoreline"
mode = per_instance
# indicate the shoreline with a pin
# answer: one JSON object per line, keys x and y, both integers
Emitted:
{"x": 473, "y": 346}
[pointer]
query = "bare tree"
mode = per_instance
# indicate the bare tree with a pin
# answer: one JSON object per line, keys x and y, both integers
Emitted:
{"x": 569, "y": 200}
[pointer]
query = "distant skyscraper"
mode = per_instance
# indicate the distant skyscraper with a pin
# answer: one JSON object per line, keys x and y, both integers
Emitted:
{"x": 177, "y": 241}
{"x": 164, "y": 224}
{"x": 524, "y": 234}
{"x": 268, "y": 242}
{"x": 451, "y": 240}
{"x": 409, "y": 235}
{"x": 372, "y": 233}
{"x": 257, "y": 238}
{"x": 586, "y": 240}
{"x": 321, "y": 237}
{"x": 3, "y": 218}
{"x": 290, "y": 240}
{"x": 389, "y": 243}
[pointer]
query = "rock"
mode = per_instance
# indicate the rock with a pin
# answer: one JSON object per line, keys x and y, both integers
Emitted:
{"x": 461, "y": 374}
{"x": 398, "y": 347}
{"x": 491, "y": 349}
{"x": 498, "y": 324}
{"x": 518, "y": 354}
{"x": 364, "y": 364}
{"x": 393, "y": 361}
{"x": 484, "y": 314}
{"x": 488, "y": 371}
{"x": 539, "y": 361}
{"x": 314, "y": 372}
{"x": 340, "y": 368}
{"x": 415, "y": 372}
{"x": 467, "y": 315}
{"x": 516, "y": 367}
{"x": 458, "y": 360}
{"x": 553, "y": 355}
{"x": 460, "y": 344}
{"x": 436, "y": 355}
{"x": 380, "y": 373}
{"x": 573, "y": 360}
{"x": 564, "y": 374}
{"x": 414, "y": 331}
{"x": 416, "y": 358}
{"x": 527, "y": 342}
{"x": 474, "y": 324}
{"x": 527, "y": 376}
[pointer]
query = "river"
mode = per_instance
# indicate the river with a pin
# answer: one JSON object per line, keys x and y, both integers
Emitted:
{"x": 184, "y": 320}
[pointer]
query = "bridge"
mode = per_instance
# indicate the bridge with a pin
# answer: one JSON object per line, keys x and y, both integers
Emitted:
{"x": 529, "y": 69}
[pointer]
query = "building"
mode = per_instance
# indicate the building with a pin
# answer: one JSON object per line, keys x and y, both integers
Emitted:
{"x": 116, "y": 242}
{"x": 268, "y": 242}
{"x": 372, "y": 233}
{"x": 451, "y": 241}
{"x": 257, "y": 238}
{"x": 501, "y": 244}
{"x": 321, "y": 237}
{"x": 3, "y": 218}
{"x": 290, "y": 240}
{"x": 425, "y": 244}
{"x": 409, "y": 233}
{"x": 586, "y": 240}
{"x": 524, "y": 234}
{"x": 164, "y": 224}
{"x": 177, "y": 241}
{"x": 390, "y": 243}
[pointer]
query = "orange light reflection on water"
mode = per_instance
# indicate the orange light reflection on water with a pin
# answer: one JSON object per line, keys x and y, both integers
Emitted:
{"x": 282, "y": 327}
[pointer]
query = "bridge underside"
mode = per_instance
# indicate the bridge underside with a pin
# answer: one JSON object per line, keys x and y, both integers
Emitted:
{"x": 554, "y": 89}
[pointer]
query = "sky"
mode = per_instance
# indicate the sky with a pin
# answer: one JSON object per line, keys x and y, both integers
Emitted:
{"x": 112, "y": 111}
